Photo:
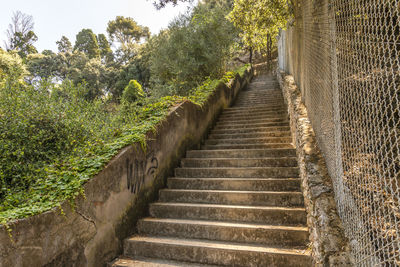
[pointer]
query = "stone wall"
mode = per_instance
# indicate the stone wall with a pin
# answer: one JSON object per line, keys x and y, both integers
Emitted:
{"x": 329, "y": 244}
{"x": 91, "y": 233}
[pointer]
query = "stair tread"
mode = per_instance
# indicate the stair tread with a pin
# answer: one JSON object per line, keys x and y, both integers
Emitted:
{"x": 232, "y": 191}
{"x": 218, "y": 245}
{"x": 228, "y": 224}
{"x": 266, "y": 208}
{"x": 238, "y": 178}
{"x": 150, "y": 262}
{"x": 237, "y": 168}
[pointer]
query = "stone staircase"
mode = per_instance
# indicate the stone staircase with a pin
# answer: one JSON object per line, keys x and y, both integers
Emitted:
{"x": 235, "y": 202}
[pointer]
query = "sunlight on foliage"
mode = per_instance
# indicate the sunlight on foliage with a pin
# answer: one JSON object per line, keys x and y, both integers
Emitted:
{"x": 259, "y": 18}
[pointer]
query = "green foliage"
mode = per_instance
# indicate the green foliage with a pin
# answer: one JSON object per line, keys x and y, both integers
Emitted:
{"x": 52, "y": 140}
{"x": 20, "y": 34}
{"x": 90, "y": 72}
{"x": 11, "y": 66}
{"x": 43, "y": 65}
{"x": 259, "y": 18}
{"x": 162, "y": 3}
{"x": 132, "y": 92}
{"x": 23, "y": 43}
{"x": 194, "y": 46}
{"x": 64, "y": 45}
{"x": 86, "y": 42}
{"x": 105, "y": 49}
{"x": 126, "y": 31}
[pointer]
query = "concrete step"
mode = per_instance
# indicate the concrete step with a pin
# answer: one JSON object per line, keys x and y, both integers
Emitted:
{"x": 254, "y": 120}
{"x": 250, "y": 112}
{"x": 149, "y": 262}
{"x": 268, "y": 101}
{"x": 252, "y": 131}
{"x": 236, "y": 135}
{"x": 228, "y": 197}
{"x": 271, "y": 235}
{"x": 215, "y": 252}
{"x": 238, "y": 126}
{"x": 259, "y": 140}
{"x": 239, "y": 162}
{"x": 239, "y": 153}
{"x": 258, "y": 108}
{"x": 253, "y": 112}
{"x": 255, "y": 214}
{"x": 251, "y": 122}
{"x": 248, "y": 101}
{"x": 265, "y": 102}
{"x": 252, "y": 184}
{"x": 253, "y": 116}
{"x": 247, "y": 146}
{"x": 255, "y": 172}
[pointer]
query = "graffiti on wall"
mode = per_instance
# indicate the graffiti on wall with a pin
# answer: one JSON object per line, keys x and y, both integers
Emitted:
{"x": 138, "y": 169}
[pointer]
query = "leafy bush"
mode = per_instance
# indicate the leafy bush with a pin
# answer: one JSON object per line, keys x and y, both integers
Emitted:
{"x": 52, "y": 140}
{"x": 132, "y": 92}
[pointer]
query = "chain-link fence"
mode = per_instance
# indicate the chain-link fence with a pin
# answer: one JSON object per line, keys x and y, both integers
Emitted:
{"x": 345, "y": 57}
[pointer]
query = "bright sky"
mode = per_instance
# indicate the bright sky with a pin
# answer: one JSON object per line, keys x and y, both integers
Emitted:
{"x": 55, "y": 18}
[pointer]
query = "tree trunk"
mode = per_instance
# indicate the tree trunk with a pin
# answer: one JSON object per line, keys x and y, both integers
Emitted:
{"x": 269, "y": 51}
{"x": 251, "y": 55}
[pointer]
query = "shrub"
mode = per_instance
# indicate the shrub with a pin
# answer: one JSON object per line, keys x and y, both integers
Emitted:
{"x": 132, "y": 92}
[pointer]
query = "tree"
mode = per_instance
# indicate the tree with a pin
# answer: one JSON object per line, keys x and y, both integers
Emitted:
{"x": 126, "y": 31}
{"x": 44, "y": 65}
{"x": 86, "y": 42}
{"x": 105, "y": 49}
{"x": 20, "y": 35}
{"x": 259, "y": 21}
{"x": 194, "y": 46}
{"x": 162, "y": 3}
{"x": 64, "y": 45}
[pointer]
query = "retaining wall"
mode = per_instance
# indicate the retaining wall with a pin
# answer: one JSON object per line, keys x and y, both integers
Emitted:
{"x": 329, "y": 245}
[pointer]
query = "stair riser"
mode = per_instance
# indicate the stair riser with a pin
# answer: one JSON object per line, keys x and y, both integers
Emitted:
{"x": 250, "y": 109}
{"x": 252, "y": 215}
{"x": 284, "y": 130}
{"x": 260, "y": 153}
{"x": 252, "y": 112}
{"x": 262, "y": 119}
{"x": 253, "y": 117}
{"x": 247, "y": 103}
{"x": 250, "y": 135}
{"x": 253, "y": 122}
{"x": 271, "y": 237}
{"x": 273, "y": 162}
{"x": 233, "y": 198}
{"x": 239, "y": 141}
{"x": 231, "y": 184}
{"x": 213, "y": 256}
{"x": 240, "y": 126}
{"x": 247, "y": 146}
{"x": 285, "y": 172}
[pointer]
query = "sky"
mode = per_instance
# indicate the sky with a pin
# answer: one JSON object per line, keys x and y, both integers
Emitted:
{"x": 55, "y": 18}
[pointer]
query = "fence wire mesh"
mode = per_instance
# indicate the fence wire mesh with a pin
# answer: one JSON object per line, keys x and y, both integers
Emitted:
{"x": 345, "y": 57}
